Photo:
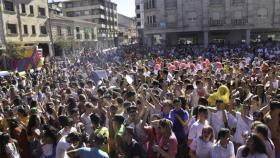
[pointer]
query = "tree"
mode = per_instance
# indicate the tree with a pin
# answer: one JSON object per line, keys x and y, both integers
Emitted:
{"x": 61, "y": 45}
{"x": 11, "y": 52}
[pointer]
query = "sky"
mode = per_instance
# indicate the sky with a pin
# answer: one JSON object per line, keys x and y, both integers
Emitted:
{"x": 125, "y": 7}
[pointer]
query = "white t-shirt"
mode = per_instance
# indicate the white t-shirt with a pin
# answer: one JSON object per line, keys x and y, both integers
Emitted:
{"x": 202, "y": 149}
{"x": 62, "y": 147}
{"x": 221, "y": 152}
{"x": 12, "y": 151}
{"x": 217, "y": 121}
{"x": 241, "y": 127}
{"x": 85, "y": 119}
{"x": 64, "y": 132}
{"x": 257, "y": 155}
{"x": 196, "y": 130}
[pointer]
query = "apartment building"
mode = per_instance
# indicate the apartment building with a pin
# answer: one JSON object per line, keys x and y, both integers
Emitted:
{"x": 101, "y": 12}
{"x": 211, "y": 21}
{"x": 25, "y": 22}
{"x": 140, "y": 18}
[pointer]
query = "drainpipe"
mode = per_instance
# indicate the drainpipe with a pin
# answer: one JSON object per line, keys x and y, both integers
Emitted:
{"x": 50, "y": 30}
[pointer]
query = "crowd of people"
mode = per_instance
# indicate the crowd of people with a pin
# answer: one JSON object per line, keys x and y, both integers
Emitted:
{"x": 152, "y": 103}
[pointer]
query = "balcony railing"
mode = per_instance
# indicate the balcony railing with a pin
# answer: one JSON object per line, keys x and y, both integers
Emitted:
{"x": 243, "y": 21}
{"x": 213, "y": 22}
{"x": 154, "y": 25}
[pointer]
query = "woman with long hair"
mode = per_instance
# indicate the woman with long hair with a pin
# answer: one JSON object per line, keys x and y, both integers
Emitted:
{"x": 253, "y": 148}
{"x": 202, "y": 146}
{"x": 262, "y": 131}
{"x": 167, "y": 145}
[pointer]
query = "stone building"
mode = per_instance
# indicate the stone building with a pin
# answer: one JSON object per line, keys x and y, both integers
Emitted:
{"x": 25, "y": 22}
{"x": 101, "y": 12}
{"x": 76, "y": 33}
{"x": 127, "y": 30}
{"x": 211, "y": 21}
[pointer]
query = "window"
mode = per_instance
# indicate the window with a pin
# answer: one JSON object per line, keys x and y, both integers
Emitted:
{"x": 138, "y": 23}
{"x": 43, "y": 30}
{"x": 192, "y": 16}
{"x": 138, "y": 15}
{"x": 77, "y": 29}
{"x": 9, "y": 6}
{"x": 154, "y": 19}
{"x": 151, "y": 4}
{"x": 262, "y": 13}
{"x": 25, "y": 29}
{"x": 33, "y": 30}
{"x": 86, "y": 35}
{"x": 69, "y": 32}
{"x": 42, "y": 11}
{"x": 23, "y": 10}
{"x": 59, "y": 32}
{"x": 69, "y": 5}
{"x": 138, "y": 7}
{"x": 12, "y": 28}
{"x": 78, "y": 36}
{"x": 31, "y": 9}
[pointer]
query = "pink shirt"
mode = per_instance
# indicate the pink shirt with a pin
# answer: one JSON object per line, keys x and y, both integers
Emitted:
{"x": 169, "y": 144}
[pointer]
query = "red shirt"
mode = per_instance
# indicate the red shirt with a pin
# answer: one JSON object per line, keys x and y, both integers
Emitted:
{"x": 169, "y": 144}
{"x": 153, "y": 137}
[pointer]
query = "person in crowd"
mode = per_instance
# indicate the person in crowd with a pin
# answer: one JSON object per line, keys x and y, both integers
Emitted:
{"x": 99, "y": 130}
{"x": 253, "y": 148}
{"x": 167, "y": 145}
{"x": 262, "y": 131}
{"x": 179, "y": 118}
{"x": 196, "y": 129}
{"x": 202, "y": 146}
{"x": 224, "y": 147}
{"x": 96, "y": 141}
{"x": 8, "y": 146}
{"x": 133, "y": 148}
{"x": 67, "y": 143}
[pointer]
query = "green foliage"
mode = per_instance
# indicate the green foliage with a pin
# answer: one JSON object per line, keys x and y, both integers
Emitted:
{"x": 63, "y": 43}
{"x": 12, "y": 50}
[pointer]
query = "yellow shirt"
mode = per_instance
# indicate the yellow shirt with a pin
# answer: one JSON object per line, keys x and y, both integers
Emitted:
{"x": 105, "y": 132}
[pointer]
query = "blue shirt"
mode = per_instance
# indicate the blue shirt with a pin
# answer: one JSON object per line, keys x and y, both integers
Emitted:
{"x": 86, "y": 152}
{"x": 177, "y": 128}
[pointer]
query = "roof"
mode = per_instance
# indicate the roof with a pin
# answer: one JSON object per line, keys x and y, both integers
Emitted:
{"x": 57, "y": 17}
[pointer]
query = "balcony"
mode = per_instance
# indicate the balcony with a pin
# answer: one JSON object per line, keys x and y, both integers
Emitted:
{"x": 213, "y": 22}
{"x": 243, "y": 21}
{"x": 152, "y": 26}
